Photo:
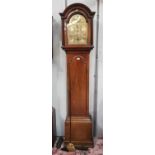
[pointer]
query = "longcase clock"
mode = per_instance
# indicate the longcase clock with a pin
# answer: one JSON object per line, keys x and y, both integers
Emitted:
{"x": 77, "y": 41}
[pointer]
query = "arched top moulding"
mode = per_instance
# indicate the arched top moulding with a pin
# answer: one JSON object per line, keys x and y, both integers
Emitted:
{"x": 77, "y": 8}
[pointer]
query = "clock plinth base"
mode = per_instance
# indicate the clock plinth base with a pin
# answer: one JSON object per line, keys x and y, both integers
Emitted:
{"x": 81, "y": 132}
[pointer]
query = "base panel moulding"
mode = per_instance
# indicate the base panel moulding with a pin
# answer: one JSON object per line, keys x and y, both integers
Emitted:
{"x": 81, "y": 132}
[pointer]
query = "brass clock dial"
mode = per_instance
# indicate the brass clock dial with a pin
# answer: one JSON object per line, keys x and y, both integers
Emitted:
{"x": 77, "y": 30}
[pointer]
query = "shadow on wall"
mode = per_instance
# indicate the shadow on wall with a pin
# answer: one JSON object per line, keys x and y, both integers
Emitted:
{"x": 54, "y": 133}
{"x": 98, "y": 74}
{"x": 56, "y": 42}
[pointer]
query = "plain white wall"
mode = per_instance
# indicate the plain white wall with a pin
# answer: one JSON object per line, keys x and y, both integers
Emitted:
{"x": 59, "y": 96}
{"x": 58, "y": 69}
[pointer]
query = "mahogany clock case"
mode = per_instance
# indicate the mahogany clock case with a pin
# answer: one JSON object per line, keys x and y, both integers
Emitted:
{"x": 78, "y": 124}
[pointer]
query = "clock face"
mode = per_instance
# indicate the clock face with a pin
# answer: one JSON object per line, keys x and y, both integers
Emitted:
{"x": 77, "y": 30}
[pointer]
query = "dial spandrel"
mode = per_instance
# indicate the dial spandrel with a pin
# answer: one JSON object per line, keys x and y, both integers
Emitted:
{"x": 77, "y": 30}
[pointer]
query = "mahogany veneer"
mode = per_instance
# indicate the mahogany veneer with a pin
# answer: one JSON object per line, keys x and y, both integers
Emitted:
{"x": 77, "y": 55}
